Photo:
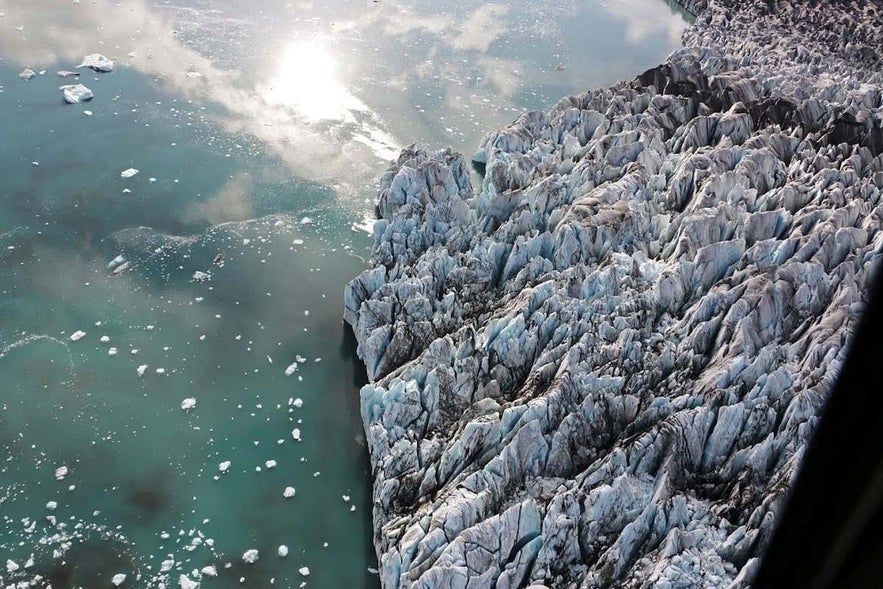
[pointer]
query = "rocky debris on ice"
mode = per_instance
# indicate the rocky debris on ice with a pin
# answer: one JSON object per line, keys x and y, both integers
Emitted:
{"x": 75, "y": 93}
{"x": 97, "y": 62}
{"x": 603, "y": 368}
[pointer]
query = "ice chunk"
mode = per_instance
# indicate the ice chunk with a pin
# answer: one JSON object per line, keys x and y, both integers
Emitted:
{"x": 291, "y": 369}
{"x": 60, "y": 473}
{"x": 128, "y": 173}
{"x": 210, "y": 571}
{"x": 224, "y": 466}
{"x": 118, "y": 579}
{"x": 51, "y": 505}
{"x": 288, "y": 493}
{"x": 270, "y": 464}
{"x": 97, "y": 62}
{"x": 74, "y": 93}
{"x": 141, "y": 369}
{"x": 200, "y": 276}
{"x": 11, "y": 566}
{"x": 305, "y": 571}
{"x": 250, "y": 556}
{"x": 26, "y": 74}
{"x": 77, "y": 335}
{"x": 66, "y": 73}
{"x": 283, "y": 551}
{"x": 187, "y": 583}
{"x": 298, "y": 402}
{"x": 295, "y": 433}
{"x": 188, "y": 403}
{"x": 112, "y": 351}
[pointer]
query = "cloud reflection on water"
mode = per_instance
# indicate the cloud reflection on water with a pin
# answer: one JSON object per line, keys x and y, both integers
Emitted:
{"x": 333, "y": 87}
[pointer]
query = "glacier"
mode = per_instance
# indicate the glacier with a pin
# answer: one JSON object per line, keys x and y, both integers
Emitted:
{"x": 603, "y": 367}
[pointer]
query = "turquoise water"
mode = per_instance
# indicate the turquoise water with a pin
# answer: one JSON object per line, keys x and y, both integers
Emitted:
{"x": 258, "y": 129}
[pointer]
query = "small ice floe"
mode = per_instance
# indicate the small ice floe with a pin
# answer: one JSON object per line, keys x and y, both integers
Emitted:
{"x": 270, "y": 464}
{"x": 51, "y": 505}
{"x": 306, "y": 221}
{"x": 298, "y": 402}
{"x": 104, "y": 339}
{"x": 304, "y": 571}
{"x": 283, "y": 551}
{"x": 292, "y": 368}
{"x": 118, "y": 579}
{"x": 97, "y": 62}
{"x": 188, "y": 404}
{"x": 112, "y": 352}
{"x": 250, "y": 556}
{"x": 116, "y": 262}
{"x": 26, "y": 74}
{"x": 200, "y": 276}
{"x": 75, "y": 93}
{"x": 128, "y": 173}
{"x": 373, "y": 571}
{"x": 141, "y": 369}
{"x": 88, "y": 113}
{"x": 60, "y": 473}
{"x": 11, "y": 566}
{"x": 121, "y": 268}
{"x": 77, "y": 335}
{"x": 209, "y": 571}
{"x": 288, "y": 493}
{"x": 193, "y": 74}
{"x": 66, "y": 74}
{"x": 295, "y": 434}
{"x": 224, "y": 466}
{"x": 187, "y": 583}
{"x": 346, "y": 498}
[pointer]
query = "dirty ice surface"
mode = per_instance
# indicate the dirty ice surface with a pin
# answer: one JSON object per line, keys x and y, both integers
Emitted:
{"x": 172, "y": 265}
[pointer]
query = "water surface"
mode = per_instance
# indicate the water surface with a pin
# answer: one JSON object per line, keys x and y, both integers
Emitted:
{"x": 258, "y": 129}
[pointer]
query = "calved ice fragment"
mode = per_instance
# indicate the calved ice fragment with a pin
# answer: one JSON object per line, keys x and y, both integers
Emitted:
{"x": 97, "y": 62}
{"x": 75, "y": 93}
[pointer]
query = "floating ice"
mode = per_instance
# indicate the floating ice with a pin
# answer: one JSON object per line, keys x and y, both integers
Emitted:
{"x": 188, "y": 403}
{"x": 200, "y": 276}
{"x": 298, "y": 402}
{"x": 187, "y": 583}
{"x": 270, "y": 464}
{"x": 250, "y": 556}
{"x": 60, "y": 473}
{"x": 288, "y": 493}
{"x": 97, "y": 62}
{"x": 291, "y": 369}
{"x": 51, "y": 505}
{"x": 118, "y": 579}
{"x": 112, "y": 352}
{"x": 305, "y": 571}
{"x": 11, "y": 566}
{"x": 26, "y": 74}
{"x": 224, "y": 466}
{"x": 77, "y": 335}
{"x": 66, "y": 73}
{"x": 283, "y": 551}
{"x": 128, "y": 173}
{"x": 141, "y": 369}
{"x": 104, "y": 339}
{"x": 209, "y": 571}
{"x": 74, "y": 93}
{"x": 295, "y": 433}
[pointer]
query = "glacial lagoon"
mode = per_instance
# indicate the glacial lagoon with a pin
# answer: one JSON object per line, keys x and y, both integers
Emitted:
{"x": 213, "y": 369}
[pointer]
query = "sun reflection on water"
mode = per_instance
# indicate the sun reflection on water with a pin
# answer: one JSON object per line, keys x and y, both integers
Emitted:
{"x": 308, "y": 82}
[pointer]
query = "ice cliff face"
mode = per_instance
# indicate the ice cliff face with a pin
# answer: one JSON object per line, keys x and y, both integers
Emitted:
{"x": 602, "y": 369}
